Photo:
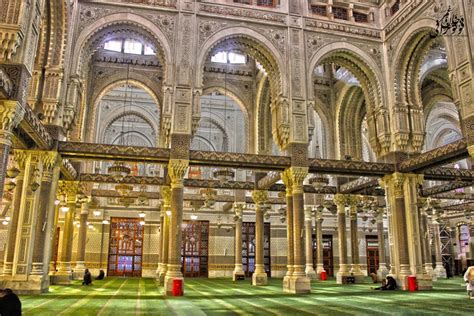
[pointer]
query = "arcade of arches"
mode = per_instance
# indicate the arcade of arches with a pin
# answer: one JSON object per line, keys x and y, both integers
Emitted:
{"x": 174, "y": 139}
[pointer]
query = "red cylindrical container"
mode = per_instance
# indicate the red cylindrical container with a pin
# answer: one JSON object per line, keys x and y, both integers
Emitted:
{"x": 177, "y": 287}
{"x": 412, "y": 286}
{"x": 324, "y": 276}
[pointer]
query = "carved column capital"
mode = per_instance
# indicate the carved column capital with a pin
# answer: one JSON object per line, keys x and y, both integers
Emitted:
{"x": 395, "y": 182}
{"x": 176, "y": 170}
{"x": 166, "y": 195}
{"x": 297, "y": 175}
{"x": 11, "y": 114}
{"x": 286, "y": 178}
{"x": 69, "y": 189}
{"x": 340, "y": 200}
{"x": 260, "y": 196}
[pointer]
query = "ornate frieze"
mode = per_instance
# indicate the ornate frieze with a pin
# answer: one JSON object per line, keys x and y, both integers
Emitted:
{"x": 242, "y": 13}
{"x": 329, "y": 26}
{"x": 408, "y": 10}
{"x": 436, "y": 157}
{"x": 355, "y": 167}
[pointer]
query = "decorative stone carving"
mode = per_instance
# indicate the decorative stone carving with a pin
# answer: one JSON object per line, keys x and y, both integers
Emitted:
{"x": 244, "y": 13}
{"x": 11, "y": 114}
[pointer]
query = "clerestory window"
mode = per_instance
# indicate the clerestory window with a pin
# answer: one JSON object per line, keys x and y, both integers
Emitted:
{"x": 229, "y": 58}
{"x": 129, "y": 46}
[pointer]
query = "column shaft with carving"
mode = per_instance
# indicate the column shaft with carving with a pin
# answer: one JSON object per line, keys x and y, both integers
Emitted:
{"x": 176, "y": 171}
{"x": 46, "y": 202}
{"x": 341, "y": 201}
{"x": 425, "y": 244}
{"x": 160, "y": 242}
{"x": 259, "y": 277}
{"x": 20, "y": 161}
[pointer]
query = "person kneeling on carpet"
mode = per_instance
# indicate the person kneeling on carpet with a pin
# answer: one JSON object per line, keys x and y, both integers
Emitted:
{"x": 469, "y": 279}
{"x": 87, "y": 278}
{"x": 101, "y": 275}
{"x": 390, "y": 285}
{"x": 10, "y": 304}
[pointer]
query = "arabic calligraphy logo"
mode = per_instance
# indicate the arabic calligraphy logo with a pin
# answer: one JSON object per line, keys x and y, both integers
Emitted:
{"x": 449, "y": 24}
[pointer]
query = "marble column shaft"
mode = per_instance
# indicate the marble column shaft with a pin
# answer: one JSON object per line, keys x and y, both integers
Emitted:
{"x": 289, "y": 232}
{"x": 174, "y": 255}
{"x": 298, "y": 237}
{"x": 381, "y": 243}
{"x": 82, "y": 238}
{"x": 354, "y": 240}
{"x": 437, "y": 241}
{"x": 341, "y": 231}
{"x": 68, "y": 234}
{"x": 319, "y": 245}
{"x": 238, "y": 269}
{"x": 308, "y": 228}
{"x": 259, "y": 238}
{"x": 4, "y": 153}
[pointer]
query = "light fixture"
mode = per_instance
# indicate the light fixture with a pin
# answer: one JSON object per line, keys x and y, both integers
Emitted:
{"x": 119, "y": 170}
{"x": 90, "y": 226}
{"x": 56, "y": 202}
{"x": 105, "y": 222}
{"x": 194, "y": 217}
{"x": 5, "y": 223}
{"x": 142, "y": 223}
{"x": 141, "y": 214}
{"x": 78, "y": 225}
{"x": 64, "y": 209}
{"x": 7, "y": 218}
{"x": 35, "y": 183}
{"x": 96, "y": 212}
{"x": 224, "y": 175}
{"x": 168, "y": 212}
{"x": 318, "y": 181}
{"x": 126, "y": 201}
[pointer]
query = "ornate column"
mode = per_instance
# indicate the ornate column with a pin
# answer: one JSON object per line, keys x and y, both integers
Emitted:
{"x": 439, "y": 269}
{"x": 394, "y": 190}
{"x": 64, "y": 273}
{"x": 160, "y": 242}
{"x": 47, "y": 195}
{"x": 11, "y": 114}
{"x": 319, "y": 244}
{"x": 166, "y": 210}
{"x": 308, "y": 228}
{"x": 238, "y": 273}
{"x": 299, "y": 283}
{"x": 382, "y": 272}
{"x": 355, "y": 271}
{"x": 259, "y": 277}
{"x": 285, "y": 176}
{"x": 81, "y": 242}
{"x": 341, "y": 201}
{"x": 425, "y": 244}
{"x": 176, "y": 170}
{"x": 20, "y": 160}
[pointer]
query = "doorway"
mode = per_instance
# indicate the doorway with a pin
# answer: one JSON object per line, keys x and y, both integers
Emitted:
{"x": 372, "y": 253}
{"x": 248, "y": 248}
{"x": 195, "y": 248}
{"x": 125, "y": 247}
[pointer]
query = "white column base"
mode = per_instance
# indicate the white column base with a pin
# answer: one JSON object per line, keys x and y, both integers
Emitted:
{"x": 33, "y": 284}
{"x": 310, "y": 273}
{"x": 440, "y": 270}
{"x": 343, "y": 272}
{"x": 173, "y": 273}
{"x": 402, "y": 277}
{"x": 429, "y": 270}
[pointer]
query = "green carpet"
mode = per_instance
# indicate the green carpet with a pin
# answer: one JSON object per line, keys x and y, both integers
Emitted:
{"x": 118, "y": 296}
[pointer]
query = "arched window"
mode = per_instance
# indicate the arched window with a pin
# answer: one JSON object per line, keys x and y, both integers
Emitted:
{"x": 229, "y": 58}
{"x": 129, "y": 46}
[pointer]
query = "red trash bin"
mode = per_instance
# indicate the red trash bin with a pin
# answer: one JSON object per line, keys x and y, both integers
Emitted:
{"x": 177, "y": 287}
{"x": 412, "y": 285}
{"x": 323, "y": 276}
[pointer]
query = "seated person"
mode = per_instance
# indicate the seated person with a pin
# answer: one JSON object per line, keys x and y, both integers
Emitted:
{"x": 87, "y": 277}
{"x": 101, "y": 275}
{"x": 10, "y": 304}
{"x": 469, "y": 279}
{"x": 389, "y": 286}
